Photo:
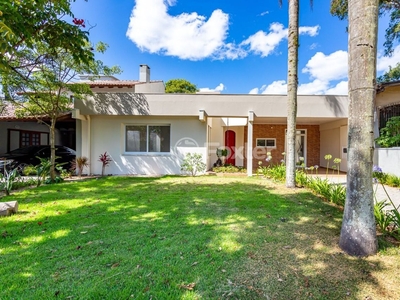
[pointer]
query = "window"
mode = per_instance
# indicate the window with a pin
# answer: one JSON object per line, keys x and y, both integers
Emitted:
{"x": 387, "y": 112}
{"x": 269, "y": 143}
{"x": 29, "y": 138}
{"x": 148, "y": 138}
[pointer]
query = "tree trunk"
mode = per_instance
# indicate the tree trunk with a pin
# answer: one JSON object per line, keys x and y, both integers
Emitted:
{"x": 358, "y": 233}
{"x": 52, "y": 149}
{"x": 293, "y": 44}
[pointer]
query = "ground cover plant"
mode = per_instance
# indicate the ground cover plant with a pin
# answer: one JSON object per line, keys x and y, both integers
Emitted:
{"x": 183, "y": 238}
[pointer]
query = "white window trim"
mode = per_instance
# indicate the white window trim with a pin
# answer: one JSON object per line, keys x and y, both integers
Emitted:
{"x": 269, "y": 147}
{"x": 147, "y": 153}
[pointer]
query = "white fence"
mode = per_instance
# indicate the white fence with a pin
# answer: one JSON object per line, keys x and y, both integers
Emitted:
{"x": 388, "y": 159}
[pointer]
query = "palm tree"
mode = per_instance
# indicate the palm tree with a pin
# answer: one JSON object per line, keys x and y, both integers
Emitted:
{"x": 358, "y": 233}
{"x": 293, "y": 44}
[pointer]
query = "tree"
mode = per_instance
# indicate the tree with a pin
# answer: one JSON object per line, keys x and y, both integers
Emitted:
{"x": 391, "y": 7}
{"x": 392, "y": 75}
{"x": 45, "y": 91}
{"x": 25, "y": 23}
{"x": 358, "y": 233}
{"x": 180, "y": 86}
{"x": 293, "y": 45}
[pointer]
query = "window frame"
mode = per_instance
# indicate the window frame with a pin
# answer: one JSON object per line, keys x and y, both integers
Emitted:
{"x": 147, "y": 152}
{"x": 265, "y": 140}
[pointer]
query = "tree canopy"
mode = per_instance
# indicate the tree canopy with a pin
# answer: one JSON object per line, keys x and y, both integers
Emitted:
{"x": 24, "y": 24}
{"x": 392, "y": 75}
{"x": 42, "y": 49}
{"x": 180, "y": 86}
{"x": 339, "y": 8}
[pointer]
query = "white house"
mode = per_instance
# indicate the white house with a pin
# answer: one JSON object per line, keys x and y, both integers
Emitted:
{"x": 147, "y": 131}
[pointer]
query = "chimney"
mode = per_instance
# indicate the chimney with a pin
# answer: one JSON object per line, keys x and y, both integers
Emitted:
{"x": 144, "y": 73}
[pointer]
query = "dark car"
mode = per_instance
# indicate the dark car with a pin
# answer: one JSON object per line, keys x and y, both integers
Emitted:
{"x": 22, "y": 157}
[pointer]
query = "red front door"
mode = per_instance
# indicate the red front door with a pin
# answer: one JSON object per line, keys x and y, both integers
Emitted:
{"x": 230, "y": 143}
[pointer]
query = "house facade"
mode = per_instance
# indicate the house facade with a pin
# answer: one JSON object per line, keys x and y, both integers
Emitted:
{"x": 151, "y": 132}
{"x": 147, "y": 131}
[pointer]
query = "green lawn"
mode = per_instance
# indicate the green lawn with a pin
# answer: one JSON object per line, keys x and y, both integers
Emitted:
{"x": 183, "y": 238}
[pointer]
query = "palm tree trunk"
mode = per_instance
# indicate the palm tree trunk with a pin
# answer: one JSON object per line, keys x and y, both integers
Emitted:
{"x": 293, "y": 44}
{"x": 358, "y": 233}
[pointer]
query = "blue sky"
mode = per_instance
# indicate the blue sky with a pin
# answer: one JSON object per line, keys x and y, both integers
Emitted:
{"x": 233, "y": 46}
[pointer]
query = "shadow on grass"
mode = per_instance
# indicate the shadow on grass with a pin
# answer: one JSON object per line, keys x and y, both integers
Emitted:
{"x": 116, "y": 238}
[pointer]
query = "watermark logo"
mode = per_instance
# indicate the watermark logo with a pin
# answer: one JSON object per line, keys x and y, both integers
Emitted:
{"x": 186, "y": 142}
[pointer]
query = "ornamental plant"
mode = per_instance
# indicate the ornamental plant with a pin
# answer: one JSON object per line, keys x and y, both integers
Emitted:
{"x": 193, "y": 164}
{"x": 79, "y": 164}
{"x": 105, "y": 159}
{"x": 337, "y": 162}
{"x": 328, "y": 157}
{"x": 390, "y": 134}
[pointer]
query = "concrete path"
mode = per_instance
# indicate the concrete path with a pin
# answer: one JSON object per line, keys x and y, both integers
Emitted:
{"x": 380, "y": 193}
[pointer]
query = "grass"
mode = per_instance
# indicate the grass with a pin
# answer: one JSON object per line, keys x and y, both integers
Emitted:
{"x": 183, "y": 238}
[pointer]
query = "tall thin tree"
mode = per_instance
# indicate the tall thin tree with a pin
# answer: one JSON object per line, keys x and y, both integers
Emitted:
{"x": 358, "y": 233}
{"x": 293, "y": 45}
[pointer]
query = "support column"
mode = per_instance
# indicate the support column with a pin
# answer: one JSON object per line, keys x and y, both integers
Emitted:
{"x": 249, "y": 151}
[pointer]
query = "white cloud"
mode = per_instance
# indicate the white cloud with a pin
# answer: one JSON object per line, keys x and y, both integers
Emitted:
{"x": 311, "y": 31}
{"x": 195, "y": 37}
{"x": 276, "y": 87}
{"x": 325, "y": 72}
{"x": 219, "y": 88}
{"x": 264, "y": 13}
{"x": 341, "y": 88}
{"x": 264, "y": 44}
{"x": 385, "y": 62}
{"x": 323, "y": 69}
{"x": 254, "y": 91}
{"x": 187, "y": 36}
{"x": 327, "y": 67}
{"x": 315, "y": 87}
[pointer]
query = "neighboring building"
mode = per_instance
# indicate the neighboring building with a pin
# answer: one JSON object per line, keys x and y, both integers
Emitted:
{"x": 387, "y": 106}
{"x": 28, "y": 131}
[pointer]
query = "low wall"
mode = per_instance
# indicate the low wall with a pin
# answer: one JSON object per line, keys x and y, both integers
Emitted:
{"x": 388, "y": 159}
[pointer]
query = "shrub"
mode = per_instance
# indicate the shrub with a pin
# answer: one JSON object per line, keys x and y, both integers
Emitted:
{"x": 302, "y": 180}
{"x": 382, "y": 218}
{"x": 193, "y": 163}
{"x": 7, "y": 180}
{"x": 229, "y": 169}
{"x": 390, "y": 134}
{"x": 42, "y": 170}
{"x": 29, "y": 170}
{"x": 105, "y": 159}
{"x": 337, "y": 194}
{"x": 277, "y": 172}
{"x": 79, "y": 164}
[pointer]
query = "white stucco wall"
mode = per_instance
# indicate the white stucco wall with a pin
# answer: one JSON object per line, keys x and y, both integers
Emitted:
{"x": 333, "y": 138}
{"x": 388, "y": 159}
{"x": 107, "y": 133}
{"x": 151, "y": 87}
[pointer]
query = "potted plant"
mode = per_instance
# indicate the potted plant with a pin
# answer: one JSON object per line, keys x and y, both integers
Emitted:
{"x": 222, "y": 153}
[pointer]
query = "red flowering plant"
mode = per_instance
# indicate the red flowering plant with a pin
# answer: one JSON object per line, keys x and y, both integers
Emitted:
{"x": 105, "y": 159}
